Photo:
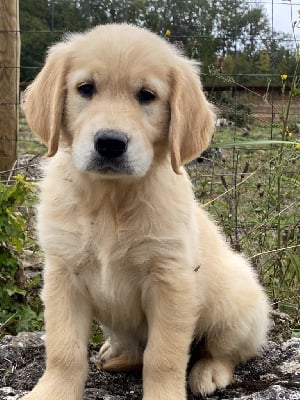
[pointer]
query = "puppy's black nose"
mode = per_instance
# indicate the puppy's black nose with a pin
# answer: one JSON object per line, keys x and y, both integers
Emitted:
{"x": 110, "y": 143}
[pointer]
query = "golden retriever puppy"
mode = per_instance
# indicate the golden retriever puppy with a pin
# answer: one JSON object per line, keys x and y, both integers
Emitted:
{"x": 125, "y": 241}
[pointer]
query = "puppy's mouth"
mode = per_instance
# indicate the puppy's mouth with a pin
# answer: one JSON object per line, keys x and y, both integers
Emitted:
{"x": 107, "y": 166}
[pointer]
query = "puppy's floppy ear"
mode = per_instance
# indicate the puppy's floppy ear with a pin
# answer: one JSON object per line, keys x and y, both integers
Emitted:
{"x": 192, "y": 116}
{"x": 44, "y": 98}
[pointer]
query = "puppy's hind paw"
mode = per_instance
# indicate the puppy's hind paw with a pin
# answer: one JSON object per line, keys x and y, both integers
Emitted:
{"x": 108, "y": 351}
{"x": 113, "y": 359}
{"x": 208, "y": 375}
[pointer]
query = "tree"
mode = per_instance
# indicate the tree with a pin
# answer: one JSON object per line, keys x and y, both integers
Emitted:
{"x": 256, "y": 31}
{"x": 35, "y": 36}
{"x": 207, "y": 30}
{"x": 238, "y": 27}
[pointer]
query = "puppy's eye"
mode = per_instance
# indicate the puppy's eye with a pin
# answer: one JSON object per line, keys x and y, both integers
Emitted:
{"x": 145, "y": 96}
{"x": 86, "y": 89}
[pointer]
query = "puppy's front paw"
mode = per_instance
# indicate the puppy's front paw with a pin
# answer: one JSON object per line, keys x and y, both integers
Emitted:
{"x": 56, "y": 388}
{"x": 208, "y": 375}
{"x": 42, "y": 394}
{"x": 35, "y": 396}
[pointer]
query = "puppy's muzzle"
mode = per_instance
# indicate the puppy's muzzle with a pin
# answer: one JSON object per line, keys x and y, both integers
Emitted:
{"x": 111, "y": 155}
{"x": 110, "y": 143}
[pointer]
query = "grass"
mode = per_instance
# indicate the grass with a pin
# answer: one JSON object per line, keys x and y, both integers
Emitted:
{"x": 253, "y": 192}
{"x": 27, "y": 142}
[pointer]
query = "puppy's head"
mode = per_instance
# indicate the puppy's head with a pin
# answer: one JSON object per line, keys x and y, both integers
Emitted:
{"x": 122, "y": 99}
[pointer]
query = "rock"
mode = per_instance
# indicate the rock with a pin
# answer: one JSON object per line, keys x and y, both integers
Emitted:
{"x": 282, "y": 326}
{"x": 274, "y": 375}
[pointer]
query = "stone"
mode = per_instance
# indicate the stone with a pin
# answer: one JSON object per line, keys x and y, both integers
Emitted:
{"x": 275, "y": 374}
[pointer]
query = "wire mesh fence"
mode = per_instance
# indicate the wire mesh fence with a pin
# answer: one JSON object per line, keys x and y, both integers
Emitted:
{"x": 249, "y": 70}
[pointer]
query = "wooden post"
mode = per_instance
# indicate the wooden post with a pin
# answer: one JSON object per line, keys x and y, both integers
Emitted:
{"x": 9, "y": 82}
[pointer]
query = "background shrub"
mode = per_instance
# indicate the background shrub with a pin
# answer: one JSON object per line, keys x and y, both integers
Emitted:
{"x": 20, "y": 303}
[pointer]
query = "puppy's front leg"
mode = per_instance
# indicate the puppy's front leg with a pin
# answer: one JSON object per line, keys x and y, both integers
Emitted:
{"x": 67, "y": 319}
{"x": 169, "y": 301}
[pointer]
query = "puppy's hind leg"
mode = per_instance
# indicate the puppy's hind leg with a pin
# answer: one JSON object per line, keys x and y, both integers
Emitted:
{"x": 225, "y": 346}
{"x": 236, "y": 327}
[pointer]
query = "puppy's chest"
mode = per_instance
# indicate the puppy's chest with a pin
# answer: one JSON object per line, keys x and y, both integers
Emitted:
{"x": 111, "y": 266}
{"x": 115, "y": 293}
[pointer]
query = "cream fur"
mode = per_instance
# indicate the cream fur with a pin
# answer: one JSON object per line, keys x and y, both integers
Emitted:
{"x": 134, "y": 250}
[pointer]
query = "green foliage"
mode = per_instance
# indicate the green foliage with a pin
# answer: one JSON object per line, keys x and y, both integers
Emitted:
{"x": 96, "y": 334}
{"x": 253, "y": 192}
{"x": 20, "y": 306}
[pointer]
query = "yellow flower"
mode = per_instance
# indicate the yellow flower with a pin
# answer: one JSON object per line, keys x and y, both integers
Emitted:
{"x": 168, "y": 32}
{"x": 289, "y": 134}
{"x": 283, "y": 77}
{"x": 298, "y": 146}
{"x": 298, "y": 12}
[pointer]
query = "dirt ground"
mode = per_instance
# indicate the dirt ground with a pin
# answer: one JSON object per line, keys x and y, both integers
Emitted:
{"x": 273, "y": 375}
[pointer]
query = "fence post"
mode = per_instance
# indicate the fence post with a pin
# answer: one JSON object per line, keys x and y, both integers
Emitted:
{"x": 9, "y": 81}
